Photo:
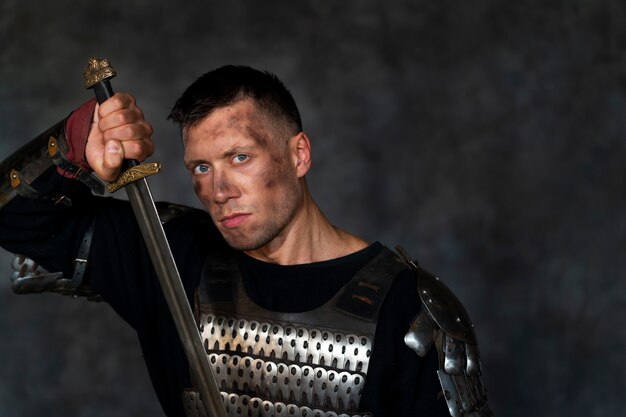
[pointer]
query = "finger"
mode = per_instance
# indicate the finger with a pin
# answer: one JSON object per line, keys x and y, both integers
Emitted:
{"x": 121, "y": 117}
{"x": 137, "y": 150}
{"x": 112, "y": 160}
{"x": 134, "y": 138}
{"x": 117, "y": 102}
{"x": 129, "y": 132}
{"x": 96, "y": 116}
{"x": 94, "y": 130}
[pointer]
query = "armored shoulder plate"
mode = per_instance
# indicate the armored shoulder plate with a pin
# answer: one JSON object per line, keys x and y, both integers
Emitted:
{"x": 444, "y": 308}
{"x": 444, "y": 322}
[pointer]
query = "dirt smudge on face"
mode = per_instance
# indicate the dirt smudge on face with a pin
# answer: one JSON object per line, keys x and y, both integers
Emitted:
{"x": 280, "y": 170}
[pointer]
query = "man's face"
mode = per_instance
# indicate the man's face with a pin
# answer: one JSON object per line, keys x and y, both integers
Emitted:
{"x": 243, "y": 174}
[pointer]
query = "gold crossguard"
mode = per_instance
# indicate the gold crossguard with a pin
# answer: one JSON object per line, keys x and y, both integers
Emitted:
{"x": 133, "y": 174}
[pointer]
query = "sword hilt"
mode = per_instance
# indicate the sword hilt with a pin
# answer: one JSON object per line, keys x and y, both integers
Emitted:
{"x": 96, "y": 76}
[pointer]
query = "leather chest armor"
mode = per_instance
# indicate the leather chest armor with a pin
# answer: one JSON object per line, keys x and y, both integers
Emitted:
{"x": 293, "y": 364}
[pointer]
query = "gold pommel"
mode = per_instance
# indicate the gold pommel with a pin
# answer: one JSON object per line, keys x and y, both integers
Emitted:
{"x": 133, "y": 174}
{"x": 97, "y": 70}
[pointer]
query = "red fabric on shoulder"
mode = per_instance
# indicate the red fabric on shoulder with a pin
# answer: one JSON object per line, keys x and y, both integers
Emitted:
{"x": 76, "y": 131}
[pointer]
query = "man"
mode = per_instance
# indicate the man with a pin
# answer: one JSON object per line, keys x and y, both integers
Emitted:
{"x": 298, "y": 317}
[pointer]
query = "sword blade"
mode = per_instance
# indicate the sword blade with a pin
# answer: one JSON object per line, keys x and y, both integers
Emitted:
{"x": 154, "y": 236}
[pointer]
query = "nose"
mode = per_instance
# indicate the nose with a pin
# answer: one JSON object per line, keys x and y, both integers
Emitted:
{"x": 223, "y": 188}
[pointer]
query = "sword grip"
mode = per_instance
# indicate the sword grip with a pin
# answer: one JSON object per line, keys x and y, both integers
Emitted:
{"x": 104, "y": 91}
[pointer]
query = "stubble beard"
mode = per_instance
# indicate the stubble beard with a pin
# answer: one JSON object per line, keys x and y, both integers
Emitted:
{"x": 282, "y": 214}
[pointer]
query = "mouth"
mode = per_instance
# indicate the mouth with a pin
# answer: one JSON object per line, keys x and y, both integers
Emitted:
{"x": 233, "y": 220}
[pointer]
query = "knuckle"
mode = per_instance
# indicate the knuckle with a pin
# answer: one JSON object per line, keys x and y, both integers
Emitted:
{"x": 136, "y": 148}
{"x": 127, "y": 132}
{"x": 148, "y": 149}
{"x": 119, "y": 118}
{"x": 131, "y": 149}
{"x": 123, "y": 99}
{"x": 149, "y": 129}
{"x": 107, "y": 135}
{"x": 115, "y": 102}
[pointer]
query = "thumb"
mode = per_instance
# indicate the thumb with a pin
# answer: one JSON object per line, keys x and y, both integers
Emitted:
{"x": 112, "y": 160}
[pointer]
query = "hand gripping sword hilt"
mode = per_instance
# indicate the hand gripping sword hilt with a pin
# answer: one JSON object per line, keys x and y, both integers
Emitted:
{"x": 97, "y": 75}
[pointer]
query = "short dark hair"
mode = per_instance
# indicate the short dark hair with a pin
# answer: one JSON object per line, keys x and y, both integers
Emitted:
{"x": 228, "y": 84}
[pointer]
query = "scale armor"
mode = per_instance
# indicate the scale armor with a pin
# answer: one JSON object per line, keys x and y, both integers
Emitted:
{"x": 290, "y": 364}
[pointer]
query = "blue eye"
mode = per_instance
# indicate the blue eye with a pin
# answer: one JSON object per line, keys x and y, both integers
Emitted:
{"x": 240, "y": 158}
{"x": 201, "y": 169}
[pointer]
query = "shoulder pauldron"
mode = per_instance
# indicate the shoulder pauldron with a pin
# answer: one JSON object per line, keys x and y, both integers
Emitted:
{"x": 444, "y": 323}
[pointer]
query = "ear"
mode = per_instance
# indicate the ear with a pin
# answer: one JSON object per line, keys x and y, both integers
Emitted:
{"x": 300, "y": 147}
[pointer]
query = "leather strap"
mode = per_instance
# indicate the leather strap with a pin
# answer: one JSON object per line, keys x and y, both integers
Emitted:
{"x": 57, "y": 153}
{"x": 81, "y": 261}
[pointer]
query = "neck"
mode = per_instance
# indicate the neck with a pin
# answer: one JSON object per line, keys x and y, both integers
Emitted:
{"x": 308, "y": 238}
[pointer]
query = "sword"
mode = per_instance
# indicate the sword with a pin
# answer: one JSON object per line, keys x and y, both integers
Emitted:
{"x": 96, "y": 76}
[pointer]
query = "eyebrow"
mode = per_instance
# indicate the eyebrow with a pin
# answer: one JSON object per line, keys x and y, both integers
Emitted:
{"x": 237, "y": 149}
{"x": 195, "y": 162}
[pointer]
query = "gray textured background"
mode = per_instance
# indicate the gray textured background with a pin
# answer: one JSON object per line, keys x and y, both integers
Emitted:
{"x": 487, "y": 137}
